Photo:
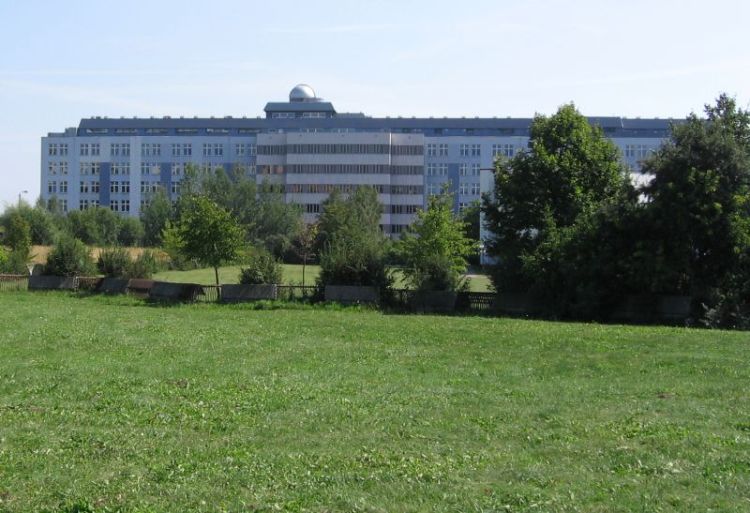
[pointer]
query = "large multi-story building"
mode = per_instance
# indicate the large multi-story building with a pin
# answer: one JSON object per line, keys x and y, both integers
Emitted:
{"x": 304, "y": 147}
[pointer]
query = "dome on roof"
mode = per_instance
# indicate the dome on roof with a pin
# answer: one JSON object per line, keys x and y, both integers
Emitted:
{"x": 301, "y": 93}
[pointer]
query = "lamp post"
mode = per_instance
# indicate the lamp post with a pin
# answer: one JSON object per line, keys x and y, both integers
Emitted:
{"x": 19, "y": 197}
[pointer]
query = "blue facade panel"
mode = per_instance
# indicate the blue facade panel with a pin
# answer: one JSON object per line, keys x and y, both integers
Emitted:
{"x": 104, "y": 183}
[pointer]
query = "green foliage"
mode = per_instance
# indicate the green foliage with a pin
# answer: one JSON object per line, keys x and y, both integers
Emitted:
{"x": 471, "y": 216}
{"x": 155, "y": 217}
{"x": 354, "y": 248}
{"x": 3, "y": 260}
{"x": 261, "y": 267}
{"x": 569, "y": 172}
{"x": 435, "y": 248}
{"x": 18, "y": 233}
{"x": 699, "y": 202}
{"x": 144, "y": 266}
{"x": 69, "y": 257}
{"x": 113, "y": 262}
{"x": 205, "y": 232}
{"x": 131, "y": 232}
{"x": 42, "y": 223}
{"x": 98, "y": 226}
{"x": 262, "y": 212}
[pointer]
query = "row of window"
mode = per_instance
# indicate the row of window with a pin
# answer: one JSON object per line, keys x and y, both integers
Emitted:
{"x": 317, "y": 208}
{"x": 327, "y": 188}
{"x": 639, "y": 151}
{"x": 464, "y": 189}
{"x": 151, "y": 149}
{"x": 351, "y": 169}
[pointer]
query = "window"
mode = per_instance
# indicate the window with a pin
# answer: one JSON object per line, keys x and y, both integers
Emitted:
{"x": 63, "y": 204}
{"x": 125, "y": 206}
{"x": 121, "y": 169}
{"x": 177, "y": 169}
{"x": 240, "y": 150}
{"x": 182, "y": 150}
{"x": 95, "y": 149}
{"x": 83, "y": 204}
{"x": 432, "y": 150}
{"x": 95, "y": 188}
{"x": 475, "y": 189}
{"x": 114, "y": 187}
{"x": 463, "y": 189}
{"x": 437, "y": 169}
{"x": 175, "y": 187}
{"x": 119, "y": 187}
{"x": 63, "y": 168}
{"x": 114, "y": 205}
{"x": 63, "y": 187}
{"x": 433, "y": 189}
{"x": 52, "y": 187}
{"x": 52, "y": 168}
{"x": 503, "y": 150}
{"x": 63, "y": 150}
{"x": 475, "y": 168}
{"x": 470, "y": 150}
{"x": 120, "y": 150}
{"x": 463, "y": 169}
{"x": 252, "y": 150}
{"x": 442, "y": 150}
{"x": 638, "y": 151}
{"x": 84, "y": 187}
{"x": 89, "y": 168}
{"x": 151, "y": 150}
{"x": 462, "y": 205}
{"x": 149, "y": 168}
{"x": 84, "y": 150}
{"x": 213, "y": 149}
{"x": 52, "y": 150}
{"x": 476, "y": 150}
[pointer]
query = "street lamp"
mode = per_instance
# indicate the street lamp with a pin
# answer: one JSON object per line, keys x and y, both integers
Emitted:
{"x": 19, "y": 197}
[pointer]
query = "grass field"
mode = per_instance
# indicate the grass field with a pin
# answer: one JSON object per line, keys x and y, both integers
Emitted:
{"x": 107, "y": 404}
{"x": 292, "y": 274}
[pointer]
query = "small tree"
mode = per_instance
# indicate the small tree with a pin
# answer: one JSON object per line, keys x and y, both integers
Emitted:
{"x": 18, "y": 237}
{"x": 69, "y": 257}
{"x": 207, "y": 233}
{"x": 304, "y": 245}
{"x": 155, "y": 218}
{"x": 435, "y": 247}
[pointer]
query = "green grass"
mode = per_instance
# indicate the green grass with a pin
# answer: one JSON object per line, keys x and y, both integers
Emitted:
{"x": 291, "y": 275}
{"x": 110, "y": 404}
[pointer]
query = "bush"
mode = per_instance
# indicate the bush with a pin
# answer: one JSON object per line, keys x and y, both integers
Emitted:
{"x": 143, "y": 266}
{"x": 262, "y": 267}
{"x": 359, "y": 263}
{"x": 3, "y": 260}
{"x": 113, "y": 262}
{"x": 69, "y": 257}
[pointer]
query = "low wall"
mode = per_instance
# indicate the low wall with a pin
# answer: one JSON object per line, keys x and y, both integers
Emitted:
{"x": 349, "y": 294}
{"x": 165, "y": 291}
{"x": 42, "y": 282}
{"x": 239, "y": 293}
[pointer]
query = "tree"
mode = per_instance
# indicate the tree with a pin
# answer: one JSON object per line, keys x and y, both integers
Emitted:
{"x": 42, "y": 223}
{"x": 355, "y": 249}
{"x": 18, "y": 237}
{"x": 131, "y": 232}
{"x": 435, "y": 247}
{"x": 470, "y": 216}
{"x": 570, "y": 169}
{"x": 69, "y": 257}
{"x": 155, "y": 217}
{"x": 699, "y": 203}
{"x": 97, "y": 226}
{"x": 207, "y": 233}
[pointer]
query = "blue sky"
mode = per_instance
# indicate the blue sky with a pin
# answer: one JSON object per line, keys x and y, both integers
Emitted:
{"x": 62, "y": 61}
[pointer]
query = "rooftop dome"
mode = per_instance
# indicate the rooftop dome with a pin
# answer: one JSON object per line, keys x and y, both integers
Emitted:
{"x": 302, "y": 93}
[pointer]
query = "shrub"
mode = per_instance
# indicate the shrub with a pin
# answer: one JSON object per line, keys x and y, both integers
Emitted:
{"x": 3, "y": 260}
{"x": 69, "y": 257}
{"x": 113, "y": 262}
{"x": 262, "y": 267}
{"x": 360, "y": 263}
{"x": 143, "y": 266}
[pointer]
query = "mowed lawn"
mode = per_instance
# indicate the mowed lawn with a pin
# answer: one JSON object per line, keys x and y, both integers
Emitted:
{"x": 107, "y": 404}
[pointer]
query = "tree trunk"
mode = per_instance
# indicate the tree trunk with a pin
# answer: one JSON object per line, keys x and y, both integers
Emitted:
{"x": 218, "y": 288}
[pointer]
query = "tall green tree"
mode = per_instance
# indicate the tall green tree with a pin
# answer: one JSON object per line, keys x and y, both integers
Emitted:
{"x": 207, "y": 233}
{"x": 435, "y": 247}
{"x": 570, "y": 169}
{"x": 355, "y": 249}
{"x": 95, "y": 226}
{"x": 155, "y": 217}
{"x": 699, "y": 202}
